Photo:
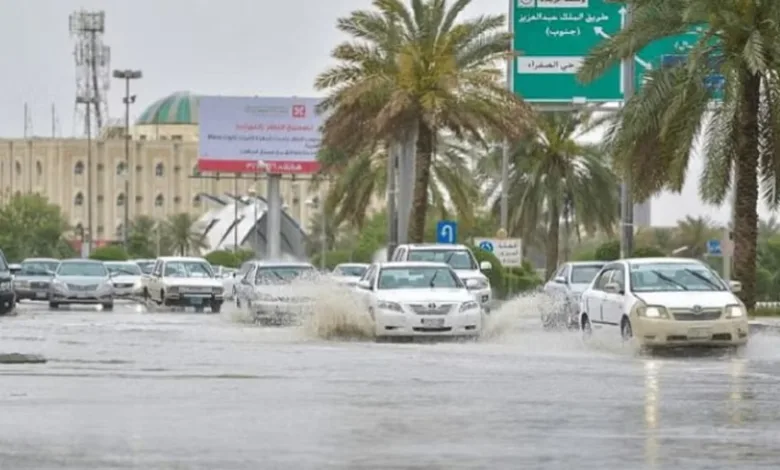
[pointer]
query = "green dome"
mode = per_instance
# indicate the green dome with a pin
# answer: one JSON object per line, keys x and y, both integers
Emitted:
{"x": 178, "y": 108}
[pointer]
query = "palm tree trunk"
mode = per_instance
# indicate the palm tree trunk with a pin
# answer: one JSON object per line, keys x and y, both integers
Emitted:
{"x": 422, "y": 178}
{"x": 567, "y": 228}
{"x": 746, "y": 187}
{"x": 553, "y": 235}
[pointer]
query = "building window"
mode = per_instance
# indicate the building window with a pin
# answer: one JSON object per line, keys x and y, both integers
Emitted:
{"x": 100, "y": 198}
{"x": 18, "y": 168}
{"x": 120, "y": 168}
{"x": 177, "y": 200}
{"x": 159, "y": 170}
{"x": 78, "y": 200}
{"x": 78, "y": 168}
{"x": 100, "y": 167}
{"x": 120, "y": 200}
{"x": 142, "y": 137}
{"x": 138, "y": 168}
{"x": 177, "y": 169}
{"x": 176, "y": 137}
{"x": 38, "y": 168}
{"x": 139, "y": 199}
{"x": 159, "y": 200}
{"x": 196, "y": 200}
{"x": 79, "y": 230}
{"x": 100, "y": 229}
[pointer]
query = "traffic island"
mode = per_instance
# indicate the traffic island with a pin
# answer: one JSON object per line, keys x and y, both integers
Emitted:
{"x": 19, "y": 358}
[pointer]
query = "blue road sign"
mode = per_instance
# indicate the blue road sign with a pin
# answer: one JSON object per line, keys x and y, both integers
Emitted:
{"x": 447, "y": 231}
{"x": 486, "y": 245}
{"x": 714, "y": 248}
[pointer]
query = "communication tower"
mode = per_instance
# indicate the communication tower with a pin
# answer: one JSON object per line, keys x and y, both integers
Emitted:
{"x": 93, "y": 65}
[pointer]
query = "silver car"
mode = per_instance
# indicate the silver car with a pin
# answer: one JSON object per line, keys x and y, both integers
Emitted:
{"x": 566, "y": 286}
{"x": 126, "y": 277}
{"x": 33, "y": 279}
{"x": 267, "y": 291}
{"x": 81, "y": 282}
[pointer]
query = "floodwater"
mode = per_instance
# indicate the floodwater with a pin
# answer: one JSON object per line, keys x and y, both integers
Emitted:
{"x": 130, "y": 389}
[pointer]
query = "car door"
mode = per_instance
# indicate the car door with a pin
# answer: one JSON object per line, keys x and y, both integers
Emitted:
{"x": 594, "y": 298}
{"x": 613, "y": 302}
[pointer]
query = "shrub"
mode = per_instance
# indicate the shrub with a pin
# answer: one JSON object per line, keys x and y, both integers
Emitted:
{"x": 223, "y": 258}
{"x": 109, "y": 253}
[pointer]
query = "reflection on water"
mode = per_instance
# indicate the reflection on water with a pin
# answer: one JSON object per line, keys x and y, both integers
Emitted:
{"x": 652, "y": 402}
{"x": 736, "y": 390}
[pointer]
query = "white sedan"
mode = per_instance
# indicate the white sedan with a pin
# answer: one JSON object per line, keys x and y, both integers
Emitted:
{"x": 349, "y": 273}
{"x": 664, "y": 302}
{"x": 126, "y": 278}
{"x": 409, "y": 299}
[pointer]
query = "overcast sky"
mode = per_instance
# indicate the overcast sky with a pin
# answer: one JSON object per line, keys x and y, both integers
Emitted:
{"x": 227, "y": 47}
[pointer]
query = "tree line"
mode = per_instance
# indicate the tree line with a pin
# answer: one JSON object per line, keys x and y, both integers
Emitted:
{"x": 420, "y": 75}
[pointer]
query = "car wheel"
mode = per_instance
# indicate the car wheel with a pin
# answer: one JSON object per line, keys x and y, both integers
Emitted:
{"x": 200, "y": 309}
{"x": 216, "y": 307}
{"x": 108, "y": 307}
{"x": 54, "y": 305}
{"x": 626, "y": 332}
{"x": 586, "y": 328}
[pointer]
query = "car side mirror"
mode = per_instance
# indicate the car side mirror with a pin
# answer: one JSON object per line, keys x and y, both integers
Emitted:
{"x": 366, "y": 285}
{"x": 735, "y": 286}
{"x": 485, "y": 266}
{"x": 613, "y": 288}
{"x": 472, "y": 284}
{"x": 559, "y": 280}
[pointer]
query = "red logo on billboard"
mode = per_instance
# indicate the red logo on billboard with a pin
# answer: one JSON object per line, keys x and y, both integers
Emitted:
{"x": 299, "y": 111}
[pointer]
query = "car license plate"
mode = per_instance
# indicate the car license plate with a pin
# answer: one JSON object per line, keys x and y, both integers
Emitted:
{"x": 700, "y": 333}
{"x": 433, "y": 322}
{"x": 40, "y": 295}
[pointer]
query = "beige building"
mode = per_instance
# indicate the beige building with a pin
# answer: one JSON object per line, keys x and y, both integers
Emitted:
{"x": 163, "y": 172}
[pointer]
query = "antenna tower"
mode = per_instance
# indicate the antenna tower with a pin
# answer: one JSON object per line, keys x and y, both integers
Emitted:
{"x": 93, "y": 65}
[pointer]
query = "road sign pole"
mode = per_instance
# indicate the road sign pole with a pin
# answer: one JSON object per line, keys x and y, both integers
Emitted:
{"x": 626, "y": 199}
{"x": 505, "y": 149}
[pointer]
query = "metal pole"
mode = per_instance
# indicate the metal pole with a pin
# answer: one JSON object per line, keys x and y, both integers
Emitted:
{"x": 323, "y": 234}
{"x": 235, "y": 213}
{"x": 89, "y": 178}
{"x": 626, "y": 200}
{"x": 392, "y": 227}
{"x": 727, "y": 244}
{"x": 274, "y": 218}
{"x": 505, "y": 149}
{"x": 126, "y": 224}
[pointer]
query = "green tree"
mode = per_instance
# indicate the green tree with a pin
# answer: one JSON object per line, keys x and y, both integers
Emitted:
{"x": 109, "y": 253}
{"x": 31, "y": 226}
{"x": 555, "y": 176}
{"x": 653, "y": 134}
{"x": 411, "y": 71}
{"x": 223, "y": 258}
{"x": 184, "y": 234}
{"x": 693, "y": 233}
{"x": 141, "y": 237}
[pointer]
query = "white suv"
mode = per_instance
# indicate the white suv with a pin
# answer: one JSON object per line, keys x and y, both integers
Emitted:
{"x": 459, "y": 257}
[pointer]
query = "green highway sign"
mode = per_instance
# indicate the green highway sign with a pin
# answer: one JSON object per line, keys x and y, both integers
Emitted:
{"x": 553, "y": 37}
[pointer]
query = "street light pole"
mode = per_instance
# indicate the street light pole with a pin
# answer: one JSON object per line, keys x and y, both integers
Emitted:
{"x": 127, "y": 75}
{"x": 626, "y": 199}
{"x": 89, "y": 102}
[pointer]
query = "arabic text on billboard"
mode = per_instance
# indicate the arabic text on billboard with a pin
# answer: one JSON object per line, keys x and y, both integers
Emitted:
{"x": 248, "y": 135}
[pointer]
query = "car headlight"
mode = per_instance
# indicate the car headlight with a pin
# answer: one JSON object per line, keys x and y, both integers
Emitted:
{"x": 21, "y": 283}
{"x": 468, "y": 306}
{"x": 58, "y": 284}
{"x": 735, "y": 311}
{"x": 137, "y": 284}
{"x": 218, "y": 290}
{"x": 479, "y": 284}
{"x": 394, "y": 306}
{"x": 5, "y": 285}
{"x": 653, "y": 311}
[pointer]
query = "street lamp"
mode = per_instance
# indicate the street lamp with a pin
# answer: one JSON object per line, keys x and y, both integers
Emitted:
{"x": 129, "y": 99}
{"x": 316, "y": 203}
{"x": 89, "y": 101}
{"x": 253, "y": 195}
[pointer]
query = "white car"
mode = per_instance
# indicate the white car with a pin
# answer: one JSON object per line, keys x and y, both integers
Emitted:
{"x": 565, "y": 289}
{"x": 411, "y": 299}
{"x": 664, "y": 302}
{"x": 184, "y": 282}
{"x": 271, "y": 291}
{"x": 460, "y": 258}
{"x": 349, "y": 273}
{"x": 126, "y": 278}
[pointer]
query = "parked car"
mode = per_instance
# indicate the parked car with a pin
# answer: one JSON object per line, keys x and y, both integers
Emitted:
{"x": 7, "y": 296}
{"x": 33, "y": 280}
{"x": 126, "y": 278}
{"x": 81, "y": 282}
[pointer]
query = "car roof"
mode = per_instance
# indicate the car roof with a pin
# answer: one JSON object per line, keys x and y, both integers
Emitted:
{"x": 30, "y": 260}
{"x": 588, "y": 263}
{"x": 81, "y": 260}
{"x": 291, "y": 264}
{"x": 412, "y": 264}
{"x": 143, "y": 260}
{"x": 435, "y": 246}
{"x": 641, "y": 261}
{"x": 353, "y": 264}
{"x": 182, "y": 258}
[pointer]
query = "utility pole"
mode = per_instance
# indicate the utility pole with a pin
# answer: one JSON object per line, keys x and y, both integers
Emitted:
{"x": 129, "y": 99}
{"x": 89, "y": 102}
{"x": 626, "y": 199}
{"x": 505, "y": 150}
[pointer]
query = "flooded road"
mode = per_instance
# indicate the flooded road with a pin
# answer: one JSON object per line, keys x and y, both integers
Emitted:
{"x": 134, "y": 390}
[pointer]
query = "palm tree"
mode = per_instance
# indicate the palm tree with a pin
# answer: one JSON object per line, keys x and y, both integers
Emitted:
{"x": 654, "y": 132}
{"x": 556, "y": 176}
{"x": 694, "y": 232}
{"x": 141, "y": 230}
{"x": 768, "y": 229}
{"x": 410, "y": 72}
{"x": 361, "y": 180}
{"x": 183, "y": 233}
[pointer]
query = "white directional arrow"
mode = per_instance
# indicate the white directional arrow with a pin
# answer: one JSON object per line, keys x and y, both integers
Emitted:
{"x": 600, "y": 32}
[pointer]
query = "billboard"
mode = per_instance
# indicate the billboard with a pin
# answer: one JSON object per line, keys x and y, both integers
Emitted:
{"x": 255, "y": 134}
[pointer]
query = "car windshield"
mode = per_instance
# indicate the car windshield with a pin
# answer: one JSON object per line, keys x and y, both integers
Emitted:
{"x": 82, "y": 269}
{"x": 458, "y": 259}
{"x": 418, "y": 278}
{"x": 38, "y": 268}
{"x": 352, "y": 271}
{"x": 282, "y": 274}
{"x": 146, "y": 266}
{"x": 584, "y": 274}
{"x": 188, "y": 269}
{"x": 124, "y": 269}
{"x": 665, "y": 277}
